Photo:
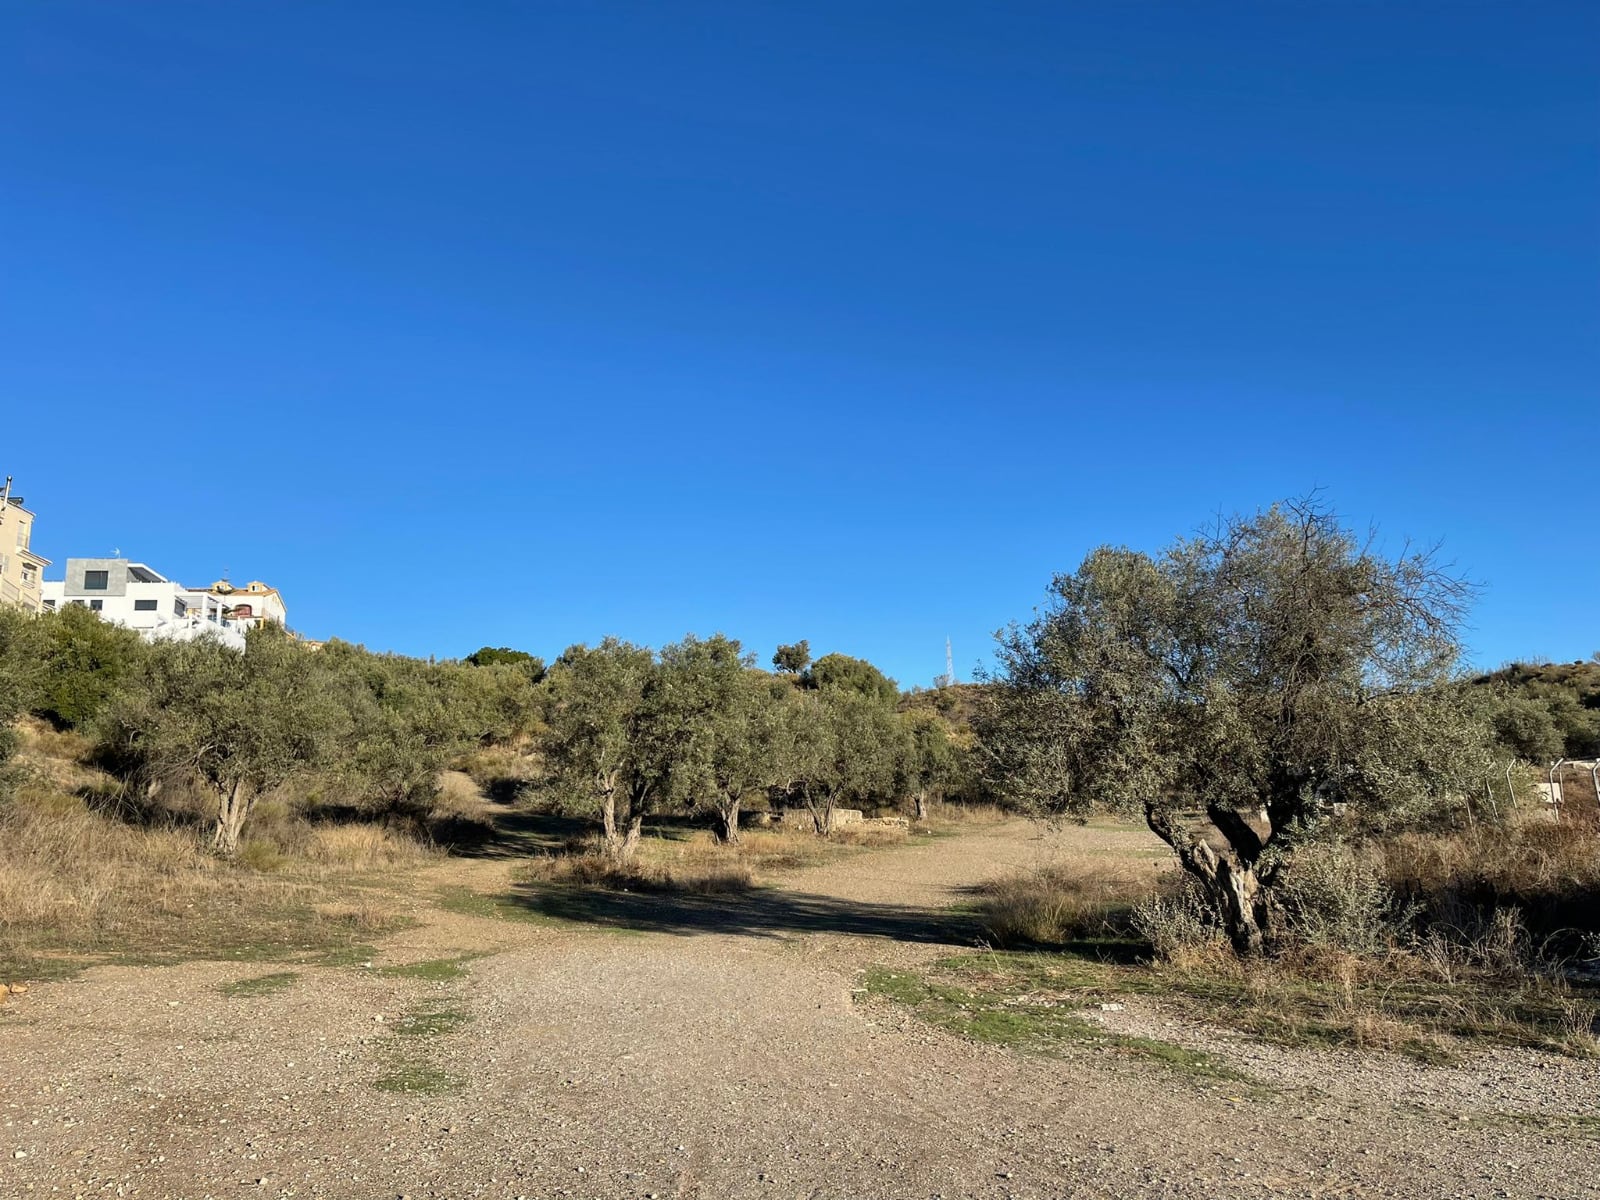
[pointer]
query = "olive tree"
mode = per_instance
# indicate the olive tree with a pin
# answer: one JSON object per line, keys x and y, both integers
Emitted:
{"x": 85, "y": 660}
{"x": 240, "y": 723}
{"x": 718, "y": 712}
{"x": 530, "y": 665}
{"x": 607, "y": 748}
{"x": 490, "y": 705}
{"x": 793, "y": 658}
{"x": 842, "y": 672}
{"x": 930, "y": 761}
{"x": 1235, "y": 688}
{"x": 21, "y": 642}
{"x": 403, "y": 725}
{"x": 797, "y": 739}
{"x": 857, "y": 742}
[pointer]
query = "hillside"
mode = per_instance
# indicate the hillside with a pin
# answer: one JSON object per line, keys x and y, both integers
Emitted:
{"x": 1552, "y": 709}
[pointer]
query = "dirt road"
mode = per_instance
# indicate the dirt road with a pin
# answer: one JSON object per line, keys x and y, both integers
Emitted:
{"x": 714, "y": 1048}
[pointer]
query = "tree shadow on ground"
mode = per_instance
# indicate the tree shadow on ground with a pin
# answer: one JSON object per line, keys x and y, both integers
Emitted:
{"x": 761, "y": 912}
{"x": 519, "y": 833}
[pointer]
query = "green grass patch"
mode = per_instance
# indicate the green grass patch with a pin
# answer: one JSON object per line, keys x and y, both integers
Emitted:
{"x": 432, "y": 1020}
{"x": 417, "y": 1079}
{"x": 295, "y": 949}
{"x": 260, "y": 985}
{"x": 495, "y": 908}
{"x": 1032, "y": 1024}
{"x": 433, "y": 970}
{"x": 1424, "y": 1019}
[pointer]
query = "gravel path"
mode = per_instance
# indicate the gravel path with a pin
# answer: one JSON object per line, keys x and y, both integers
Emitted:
{"x": 717, "y": 1049}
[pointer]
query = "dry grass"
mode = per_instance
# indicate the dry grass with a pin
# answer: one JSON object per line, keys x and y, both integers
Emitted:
{"x": 942, "y": 813}
{"x": 1517, "y": 894}
{"x": 1534, "y": 858}
{"x": 1424, "y": 994}
{"x": 870, "y": 836}
{"x": 79, "y": 886}
{"x": 365, "y": 913}
{"x": 594, "y": 869}
{"x": 1080, "y": 898}
{"x": 502, "y": 773}
{"x": 361, "y": 848}
{"x": 459, "y": 795}
{"x": 697, "y": 862}
{"x": 758, "y": 850}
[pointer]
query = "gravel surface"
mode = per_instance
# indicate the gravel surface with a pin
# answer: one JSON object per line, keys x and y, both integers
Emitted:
{"x": 718, "y": 1049}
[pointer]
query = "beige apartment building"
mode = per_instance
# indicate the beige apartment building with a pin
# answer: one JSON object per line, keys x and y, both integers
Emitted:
{"x": 20, "y": 568}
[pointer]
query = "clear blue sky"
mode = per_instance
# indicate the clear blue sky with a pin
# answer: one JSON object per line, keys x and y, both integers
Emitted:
{"x": 528, "y": 323}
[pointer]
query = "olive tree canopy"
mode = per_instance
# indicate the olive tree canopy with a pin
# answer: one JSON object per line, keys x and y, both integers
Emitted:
{"x": 841, "y": 672}
{"x": 793, "y": 658}
{"x": 719, "y": 710}
{"x": 607, "y": 748}
{"x": 239, "y": 723}
{"x": 1235, "y": 687}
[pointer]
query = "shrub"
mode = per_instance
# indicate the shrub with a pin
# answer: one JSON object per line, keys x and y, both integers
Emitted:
{"x": 85, "y": 661}
{"x": 1063, "y": 902}
{"x": 1177, "y": 925}
{"x": 1335, "y": 896}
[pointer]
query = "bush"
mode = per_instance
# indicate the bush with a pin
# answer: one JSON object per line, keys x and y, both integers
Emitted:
{"x": 1334, "y": 896}
{"x": 1178, "y": 925}
{"x": 1061, "y": 903}
{"x": 85, "y": 661}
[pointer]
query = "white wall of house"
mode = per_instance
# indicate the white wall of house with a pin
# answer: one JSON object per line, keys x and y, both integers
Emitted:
{"x": 140, "y": 606}
{"x": 133, "y": 595}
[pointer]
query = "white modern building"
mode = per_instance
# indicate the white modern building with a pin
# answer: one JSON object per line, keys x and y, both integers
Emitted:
{"x": 141, "y": 598}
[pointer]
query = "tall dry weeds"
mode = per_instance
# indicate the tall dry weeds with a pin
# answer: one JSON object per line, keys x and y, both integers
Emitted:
{"x": 1073, "y": 899}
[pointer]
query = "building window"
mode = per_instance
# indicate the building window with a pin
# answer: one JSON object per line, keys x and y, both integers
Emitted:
{"x": 95, "y": 604}
{"x": 50, "y": 605}
{"x": 179, "y": 608}
{"x": 144, "y": 606}
{"x": 96, "y": 581}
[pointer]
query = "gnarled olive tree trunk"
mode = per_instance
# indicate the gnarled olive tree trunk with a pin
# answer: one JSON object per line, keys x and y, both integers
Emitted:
{"x": 621, "y": 837}
{"x": 1231, "y": 878}
{"x": 820, "y": 802}
{"x": 728, "y": 811}
{"x": 233, "y": 810}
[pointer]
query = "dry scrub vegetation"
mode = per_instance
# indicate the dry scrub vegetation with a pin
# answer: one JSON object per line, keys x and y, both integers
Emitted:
{"x": 85, "y": 877}
{"x": 697, "y": 862}
{"x": 1416, "y": 944}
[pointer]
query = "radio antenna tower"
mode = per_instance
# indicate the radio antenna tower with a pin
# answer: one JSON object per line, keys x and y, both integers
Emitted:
{"x": 949, "y": 664}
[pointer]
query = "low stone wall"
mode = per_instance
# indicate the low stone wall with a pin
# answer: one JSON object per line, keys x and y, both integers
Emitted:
{"x": 800, "y": 818}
